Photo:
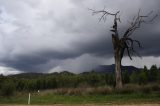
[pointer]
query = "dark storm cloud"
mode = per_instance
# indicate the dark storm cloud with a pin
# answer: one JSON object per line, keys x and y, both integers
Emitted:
{"x": 150, "y": 45}
{"x": 99, "y": 47}
{"x": 32, "y": 62}
{"x": 42, "y": 35}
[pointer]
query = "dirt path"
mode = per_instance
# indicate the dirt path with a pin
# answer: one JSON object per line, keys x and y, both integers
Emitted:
{"x": 86, "y": 105}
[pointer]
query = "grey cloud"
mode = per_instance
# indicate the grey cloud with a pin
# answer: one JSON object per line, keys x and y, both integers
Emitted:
{"x": 49, "y": 34}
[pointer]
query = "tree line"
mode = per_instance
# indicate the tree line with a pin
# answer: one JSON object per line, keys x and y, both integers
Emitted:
{"x": 33, "y": 82}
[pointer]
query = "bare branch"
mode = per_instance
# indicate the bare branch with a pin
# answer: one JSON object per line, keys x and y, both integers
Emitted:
{"x": 137, "y": 21}
{"x": 128, "y": 51}
{"x": 104, "y": 13}
{"x": 104, "y": 16}
{"x": 154, "y": 18}
{"x": 129, "y": 45}
{"x": 139, "y": 44}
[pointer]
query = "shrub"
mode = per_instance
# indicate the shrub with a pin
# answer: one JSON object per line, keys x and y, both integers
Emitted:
{"x": 7, "y": 88}
{"x": 155, "y": 87}
{"x": 153, "y": 73}
{"x": 142, "y": 77}
{"x": 103, "y": 90}
{"x": 134, "y": 77}
{"x": 125, "y": 77}
{"x": 146, "y": 89}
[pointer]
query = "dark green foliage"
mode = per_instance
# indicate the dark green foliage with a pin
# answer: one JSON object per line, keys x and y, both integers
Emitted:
{"x": 125, "y": 77}
{"x": 69, "y": 80}
{"x": 110, "y": 80}
{"x": 8, "y": 88}
{"x": 134, "y": 77}
{"x": 94, "y": 79}
{"x": 142, "y": 77}
{"x": 153, "y": 73}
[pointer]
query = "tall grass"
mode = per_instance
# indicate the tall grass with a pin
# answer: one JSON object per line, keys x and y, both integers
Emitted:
{"x": 50, "y": 98}
{"x": 83, "y": 91}
{"x": 105, "y": 90}
{"x": 106, "y": 94}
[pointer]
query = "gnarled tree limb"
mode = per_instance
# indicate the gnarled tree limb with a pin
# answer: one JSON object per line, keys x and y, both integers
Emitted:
{"x": 126, "y": 42}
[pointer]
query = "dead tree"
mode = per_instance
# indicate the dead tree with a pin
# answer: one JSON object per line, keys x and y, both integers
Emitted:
{"x": 125, "y": 42}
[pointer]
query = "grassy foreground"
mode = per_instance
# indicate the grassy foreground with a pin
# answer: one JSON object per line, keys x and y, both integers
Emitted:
{"x": 45, "y": 98}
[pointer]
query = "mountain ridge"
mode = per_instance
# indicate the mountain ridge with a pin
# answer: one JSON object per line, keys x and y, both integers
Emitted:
{"x": 111, "y": 68}
{"x": 99, "y": 69}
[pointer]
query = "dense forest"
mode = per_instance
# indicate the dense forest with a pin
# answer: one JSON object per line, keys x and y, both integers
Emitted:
{"x": 31, "y": 82}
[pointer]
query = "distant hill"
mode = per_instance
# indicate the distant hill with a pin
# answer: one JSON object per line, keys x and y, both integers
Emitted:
{"x": 39, "y": 75}
{"x": 100, "y": 69}
{"x": 28, "y": 75}
{"x": 111, "y": 68}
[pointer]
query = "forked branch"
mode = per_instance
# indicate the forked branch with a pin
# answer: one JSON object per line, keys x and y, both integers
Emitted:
{"x": 138, "y": 21}
{"x": 126, "y": 42}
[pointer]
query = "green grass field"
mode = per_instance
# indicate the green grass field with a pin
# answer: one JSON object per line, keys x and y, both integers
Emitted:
{"x": 41, "y": 98}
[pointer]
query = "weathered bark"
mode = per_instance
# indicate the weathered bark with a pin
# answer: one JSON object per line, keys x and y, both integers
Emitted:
{"x": 118, "y": 57}
{"x": 118, "y": 73}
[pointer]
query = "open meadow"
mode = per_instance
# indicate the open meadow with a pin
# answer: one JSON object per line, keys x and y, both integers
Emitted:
{"x": 67, "y": 97}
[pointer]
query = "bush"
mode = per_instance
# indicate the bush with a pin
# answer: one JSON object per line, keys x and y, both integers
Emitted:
{"x": 146, "y": 89}
{"x": 142, "y": 78}
{"x": 153, "y": 73}
{"x": 103, "y": 90}
{"x": 7, "y": 88}
{"x": 125, "y": 77}
{"x": 110, "y": 80}
{"x": 134, "y": 77}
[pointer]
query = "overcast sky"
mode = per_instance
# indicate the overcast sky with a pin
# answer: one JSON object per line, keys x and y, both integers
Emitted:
{"x": 55, "y": 35}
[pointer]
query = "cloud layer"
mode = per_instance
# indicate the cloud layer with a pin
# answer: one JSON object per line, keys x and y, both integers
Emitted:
{"x": 54, "y": 35}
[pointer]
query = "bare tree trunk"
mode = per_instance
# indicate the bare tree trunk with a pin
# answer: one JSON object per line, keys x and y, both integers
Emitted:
{"x": 118, "y": 57}
{"x": 118, "y": 74}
